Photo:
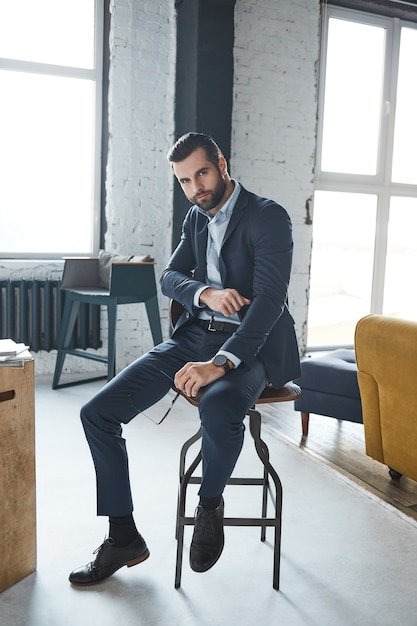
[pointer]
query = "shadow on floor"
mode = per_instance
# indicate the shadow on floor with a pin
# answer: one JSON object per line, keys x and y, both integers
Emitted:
{"x": 341, "y": 445}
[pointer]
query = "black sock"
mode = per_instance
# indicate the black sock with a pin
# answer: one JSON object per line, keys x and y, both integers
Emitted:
{"x": 122, "y": 530}
{"x": 210, "y": 503}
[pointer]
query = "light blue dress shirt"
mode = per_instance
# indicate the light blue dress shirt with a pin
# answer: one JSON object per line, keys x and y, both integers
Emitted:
{"x": 216, "y": 229}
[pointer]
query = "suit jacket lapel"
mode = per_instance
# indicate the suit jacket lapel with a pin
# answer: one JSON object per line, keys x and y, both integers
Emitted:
{"x": 238, "y": 209}
{"x": 201, "y": 243}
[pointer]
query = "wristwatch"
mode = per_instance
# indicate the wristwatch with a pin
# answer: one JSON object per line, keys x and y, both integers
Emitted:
{"x": 221, "y": 360}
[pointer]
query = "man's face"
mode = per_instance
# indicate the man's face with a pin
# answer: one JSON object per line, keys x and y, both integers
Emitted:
{"x": 203, "y": 183}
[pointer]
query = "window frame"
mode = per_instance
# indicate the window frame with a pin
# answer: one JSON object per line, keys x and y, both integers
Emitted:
{"x": 95, "y": 75}
{"x": 379, "y": 184}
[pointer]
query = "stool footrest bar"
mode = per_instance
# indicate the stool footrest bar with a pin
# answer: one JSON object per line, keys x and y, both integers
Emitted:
{"x": 240, "y": 521}
{"x": 196, "y": 480}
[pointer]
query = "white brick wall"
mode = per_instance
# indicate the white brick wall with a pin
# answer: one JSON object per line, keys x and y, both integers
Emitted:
{"x": 274, "y": 117}
{"x": 141, "y": 123}
{"x": 273, "y": 138}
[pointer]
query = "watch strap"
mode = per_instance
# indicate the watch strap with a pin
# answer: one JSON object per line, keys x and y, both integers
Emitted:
{"x": 227, "y": 367}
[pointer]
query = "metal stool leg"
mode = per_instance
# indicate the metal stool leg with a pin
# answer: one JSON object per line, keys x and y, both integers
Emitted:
{"x": 181, "y": 519}
{"x": 183, "y": 455}
{"x": 186, "y": 446}
{"x": 263, "y": 454}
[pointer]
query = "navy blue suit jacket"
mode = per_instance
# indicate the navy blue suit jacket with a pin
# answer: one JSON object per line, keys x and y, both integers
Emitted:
{"x": 255, "y": 259}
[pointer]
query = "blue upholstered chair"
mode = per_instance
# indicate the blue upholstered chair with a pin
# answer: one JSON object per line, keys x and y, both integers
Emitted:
{"x": 329, "y": 387}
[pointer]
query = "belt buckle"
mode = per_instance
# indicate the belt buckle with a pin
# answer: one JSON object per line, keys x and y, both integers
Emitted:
{"x": 209, "y": 327}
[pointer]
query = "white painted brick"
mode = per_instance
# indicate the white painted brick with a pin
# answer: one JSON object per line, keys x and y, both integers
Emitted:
{"x": 274, "y": 117}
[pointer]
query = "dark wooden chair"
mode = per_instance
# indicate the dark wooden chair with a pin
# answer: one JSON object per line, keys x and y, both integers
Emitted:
{"x": 106, "y": 284}
{"x": 269, "y": 481}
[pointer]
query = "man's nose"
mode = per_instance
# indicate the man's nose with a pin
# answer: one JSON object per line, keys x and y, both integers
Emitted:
{"x": 197, "y": 185}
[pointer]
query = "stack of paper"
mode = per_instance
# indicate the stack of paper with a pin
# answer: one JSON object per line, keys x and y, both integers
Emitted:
{"x": 13, "y": 354}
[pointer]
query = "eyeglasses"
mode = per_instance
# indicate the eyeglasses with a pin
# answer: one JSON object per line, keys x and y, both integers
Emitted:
{"x": 177, "y": 393}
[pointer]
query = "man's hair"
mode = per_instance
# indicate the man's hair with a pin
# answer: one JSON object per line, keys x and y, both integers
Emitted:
{"x": 189, "y": 142}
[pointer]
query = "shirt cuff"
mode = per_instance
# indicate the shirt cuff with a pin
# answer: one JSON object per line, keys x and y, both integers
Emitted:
{"x": 197, "y": 294}
{"x": 236, "y": 362}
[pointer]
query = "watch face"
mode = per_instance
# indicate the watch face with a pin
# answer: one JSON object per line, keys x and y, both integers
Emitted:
{"x": 220, "y": 360}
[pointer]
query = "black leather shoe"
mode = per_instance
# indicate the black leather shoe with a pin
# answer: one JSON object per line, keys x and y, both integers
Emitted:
{"x": 208, "y": 538}
{"x": 109, "y": 559}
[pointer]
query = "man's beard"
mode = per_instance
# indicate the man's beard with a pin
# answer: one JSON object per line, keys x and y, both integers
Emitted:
{"x": 214, "y": 198}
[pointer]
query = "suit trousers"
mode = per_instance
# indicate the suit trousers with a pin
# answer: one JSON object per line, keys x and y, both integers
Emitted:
{"x": 143, "y": 383}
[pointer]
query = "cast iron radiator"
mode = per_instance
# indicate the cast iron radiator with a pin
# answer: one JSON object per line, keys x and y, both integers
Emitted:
{"x": 30, "y": 312}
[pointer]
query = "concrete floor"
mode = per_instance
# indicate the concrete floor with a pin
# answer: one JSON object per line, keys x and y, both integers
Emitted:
{"x": 347, "y": 558}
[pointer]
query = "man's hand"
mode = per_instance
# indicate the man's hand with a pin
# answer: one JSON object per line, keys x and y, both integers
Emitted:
{"x": 225, "y": 301}
{"x": 193, "y": 376}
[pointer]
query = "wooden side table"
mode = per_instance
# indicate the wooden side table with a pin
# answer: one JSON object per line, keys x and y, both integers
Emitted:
{"x": 17, "y": 474}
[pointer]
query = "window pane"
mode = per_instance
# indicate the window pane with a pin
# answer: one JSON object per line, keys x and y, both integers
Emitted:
{"x": 352, "y": 100}
{"x": 341, "y": 267}
{"x": 46, "y": 161}
{"x": 400, "y": 294}
{"x": 48, "y": 31}
{"x": 404, "y": 168}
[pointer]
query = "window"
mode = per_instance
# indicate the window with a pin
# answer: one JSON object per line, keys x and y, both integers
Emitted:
{"x": 50, "y": 127}
{"x": 364, "y": 254}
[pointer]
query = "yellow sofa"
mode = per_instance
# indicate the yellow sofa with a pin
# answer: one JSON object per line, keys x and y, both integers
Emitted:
{"x": 386, "y": 356}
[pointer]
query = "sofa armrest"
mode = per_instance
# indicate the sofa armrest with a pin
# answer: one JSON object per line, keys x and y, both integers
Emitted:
{"x": 372, "y": 410}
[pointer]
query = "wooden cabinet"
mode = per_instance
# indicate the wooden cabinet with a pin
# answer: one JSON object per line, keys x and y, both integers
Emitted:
{"x": 17, "y": 474}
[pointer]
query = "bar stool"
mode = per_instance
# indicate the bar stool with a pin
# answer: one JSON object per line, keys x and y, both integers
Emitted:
{"x": 270, "y": 481}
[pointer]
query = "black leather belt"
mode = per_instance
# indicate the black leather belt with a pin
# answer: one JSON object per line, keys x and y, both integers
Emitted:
{"x": 214, "y": 326}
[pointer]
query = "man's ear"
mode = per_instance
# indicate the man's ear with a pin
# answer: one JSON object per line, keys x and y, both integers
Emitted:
{"x": 223, "y": 165}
